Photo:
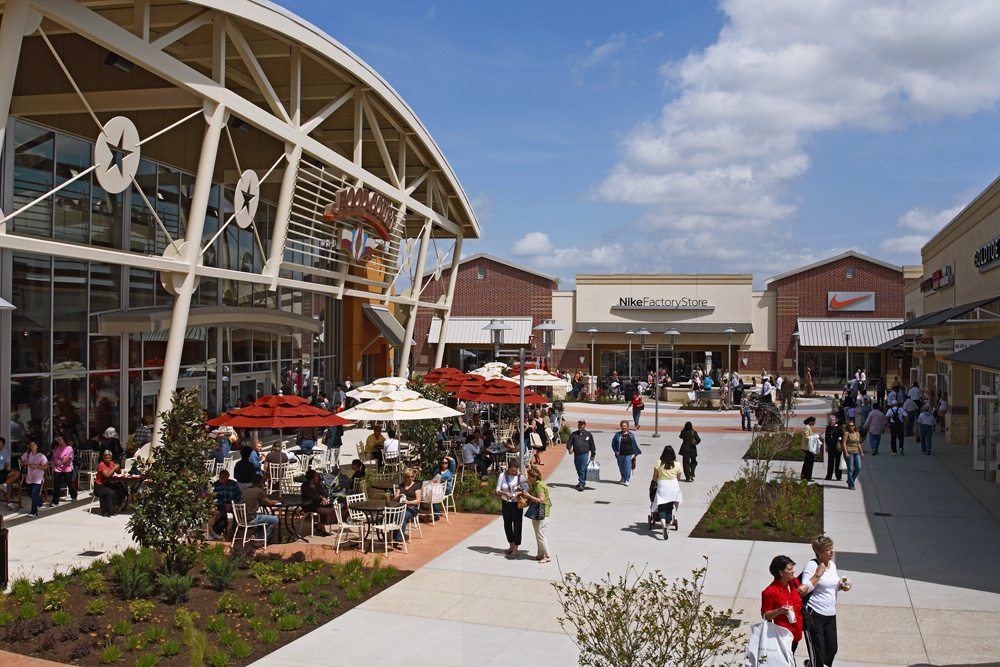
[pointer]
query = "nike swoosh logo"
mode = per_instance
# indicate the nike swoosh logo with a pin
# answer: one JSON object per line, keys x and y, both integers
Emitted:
{"x": 835, "y": 304}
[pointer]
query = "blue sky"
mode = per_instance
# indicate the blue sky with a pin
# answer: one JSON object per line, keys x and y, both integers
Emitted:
{"x": 695, "y": 136}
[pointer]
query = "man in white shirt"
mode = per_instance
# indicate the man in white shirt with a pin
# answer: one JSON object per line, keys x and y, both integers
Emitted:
{"x": 911, "y": 409}
{"x": 765, "y": 389}
{"x": 897, "y": 419}
{"x": 915, "y": 393}
{"x": 471, "y": 455}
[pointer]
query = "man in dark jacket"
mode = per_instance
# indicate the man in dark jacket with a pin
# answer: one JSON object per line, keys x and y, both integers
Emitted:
{"x": 626, "y": 449}
{"x": 244, "y": 471}
{"x": 833, "y": 441}
{"x": 581, "y": 446}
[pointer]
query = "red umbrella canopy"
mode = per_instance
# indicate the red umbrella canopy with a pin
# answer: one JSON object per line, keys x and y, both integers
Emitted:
{"x": 443, "y": 373}
{"x": 463, "y": 382}
{"x": 516, "y": 370}
{"x": 279, "y": 412}
{"x": 501, "y": 391}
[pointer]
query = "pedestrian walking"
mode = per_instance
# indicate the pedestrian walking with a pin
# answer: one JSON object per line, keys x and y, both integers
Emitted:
{"x": 942, "y": 410}
{"x": 581, "y": 445}
{"x": 62, "y": 469}
{"x": 823, "y": 583}
{"x": 745, "y": 413}
{"x": 510, "y": 486}
{"x": 689, "y": 450}
{"x": 807, "y": 463}
{"x": 833, "y": 442}
{"x": 926, "y": 423}
{"x": 538, "y": 511}
{"x": 637, "y": 407}
{"x": 853, "y": 452}
{"x": 36, "y": 463}
{"x": 668, "y": 492}
{"x": 897, "y": 423}
{"x": 875, "y": 425}
{"x": 625, "y": 447}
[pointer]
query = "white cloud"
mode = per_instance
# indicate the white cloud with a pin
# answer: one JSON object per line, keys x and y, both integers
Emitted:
{"x": 722, "y": 156}
{"x": 533, "y": 243}
{"x": 607, "y": 53}
{"x": 915, "y": 228}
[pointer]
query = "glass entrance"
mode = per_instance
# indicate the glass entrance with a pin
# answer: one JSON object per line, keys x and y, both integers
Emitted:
{"x": 986, "y": 423}
{"x": 151, "y": 391}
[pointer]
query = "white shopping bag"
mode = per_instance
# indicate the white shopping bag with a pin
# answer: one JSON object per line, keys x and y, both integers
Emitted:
{"x": 593, "y": 471}
{"x": 692, "y": 396}
{"x": 815, "y": 444}
{"x": 770, "y": 645}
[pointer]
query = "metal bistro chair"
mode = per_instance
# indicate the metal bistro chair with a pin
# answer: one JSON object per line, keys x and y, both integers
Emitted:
{"x": 275, "y": 473}
{"x": 346, "y": 525}
{"x": 392, "y": 520}
{"x": 240, "y": 517}
{"x": 392, "y": 461}
{"x": 434, "y": 493}
{"x": 368, "y": 458}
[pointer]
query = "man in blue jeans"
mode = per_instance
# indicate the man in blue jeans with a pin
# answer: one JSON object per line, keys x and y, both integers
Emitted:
{"x": 581, "y": 446}
{"x": 625, "y": 448}
{"x": 254, "y": 497}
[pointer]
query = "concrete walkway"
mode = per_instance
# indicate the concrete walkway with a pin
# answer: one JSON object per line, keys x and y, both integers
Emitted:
{"x": 919, "y": 539}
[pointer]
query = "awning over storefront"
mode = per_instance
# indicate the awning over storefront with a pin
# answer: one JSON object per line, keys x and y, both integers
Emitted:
{"x": 897, "y": 341}
{"x": 469, "y": 331}
{"x": 384, "y": 321}
{"x": 985, "y": 354}
{"x": 821, "y": 332}
{"x": 939, "y": 317}
{"x": 682, "y": 327}
{"x": 916, "y": 322}
{"x": 258, "y": 319}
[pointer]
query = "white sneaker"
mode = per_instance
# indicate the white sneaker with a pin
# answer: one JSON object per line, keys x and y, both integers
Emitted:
{"x": 10, "y": 506}
{"x": 3, "y": 487}
{"x": 626, "y": 483}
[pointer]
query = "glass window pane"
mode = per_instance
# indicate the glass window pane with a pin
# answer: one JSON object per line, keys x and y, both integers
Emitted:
{"x": 34, "y": 150}
{"x": 230, "y": 248}
{"x": 69, "y": 343}
{"x": 72, "y": 203}
{"x": 104, "y": 352}
{"x": 142, "y": 225}
{"x": 106, "y": 218}
{"x": 31, "y": 318}
{"x": 105, "y": 290}
{"x": 140, "y": 289}
{"x": 167, "y": 206}
{"x": 29, "y": 412}
{"x": 69, "y": 394}
{"x": 104, "y": 402}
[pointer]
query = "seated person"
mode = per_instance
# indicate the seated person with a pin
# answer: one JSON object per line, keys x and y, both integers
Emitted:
{"x": 227, "y": 491}
{"x": 374, "y": 444}
{"x": 244, "y": 471}
{"x": 104, "y": 488}
{"x": 9, "y": 477}
{"x": 446, "y": 474}
{"x": 391, "y": 444}
{"x": 314, "y": 500}
{"x": 256, "y": 458}
{"x": 273, "y": 456}
{"x": 216, "y": 453}
{"x": 254, "y": 497}
{"x": 410, "y": 494}
{"x": 471, "y": 451}
{"x": 357, "y": 473}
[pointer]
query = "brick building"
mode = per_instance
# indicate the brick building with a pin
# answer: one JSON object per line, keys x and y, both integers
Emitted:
{"x": 486, "y": 287}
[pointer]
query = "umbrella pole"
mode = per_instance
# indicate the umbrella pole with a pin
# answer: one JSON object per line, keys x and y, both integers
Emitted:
{"x": 521, "y": 406}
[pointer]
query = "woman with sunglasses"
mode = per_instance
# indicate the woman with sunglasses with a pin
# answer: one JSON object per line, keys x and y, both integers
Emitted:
{"x": 853, "y": 453}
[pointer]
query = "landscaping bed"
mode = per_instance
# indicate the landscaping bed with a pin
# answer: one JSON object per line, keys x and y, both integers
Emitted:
{"x": 789, "y": 449}
{"x": 791, "y": 510}
{"x": 235, "y": 608}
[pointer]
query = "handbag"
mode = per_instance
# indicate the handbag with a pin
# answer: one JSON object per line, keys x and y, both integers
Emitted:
{"x": 523, "y": 502}
{"x": 535, "y": 512}
{"x": 770, "y": 645}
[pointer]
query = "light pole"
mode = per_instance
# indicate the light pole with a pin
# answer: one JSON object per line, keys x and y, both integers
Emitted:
{"x": 796, "y": 337}
{"x": 496, "y": 329}
{"x": 671, "y": 336}
{"x": 630, "y": 333}
{"x": 642, "y": 333}
{"x": 847, "y": 355}
{"x": 729, "y": 366}
{"x": 592, "y": 331}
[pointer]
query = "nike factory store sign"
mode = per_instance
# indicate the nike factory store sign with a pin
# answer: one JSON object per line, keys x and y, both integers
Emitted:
{"x": 853, "y": 301}
{"x": 648, "y": 303}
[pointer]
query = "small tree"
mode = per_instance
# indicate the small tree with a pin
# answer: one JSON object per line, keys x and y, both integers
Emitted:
{"x": 423, "y": 432}
{"x": 172, "y": 505}
{"x": 646, "y": 621}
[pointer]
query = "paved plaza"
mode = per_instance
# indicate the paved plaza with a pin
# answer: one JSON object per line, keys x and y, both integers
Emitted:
{"x": 919, "y": 539}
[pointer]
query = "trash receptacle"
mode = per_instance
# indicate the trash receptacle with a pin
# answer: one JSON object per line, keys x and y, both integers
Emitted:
{"x": 4, "y": 557}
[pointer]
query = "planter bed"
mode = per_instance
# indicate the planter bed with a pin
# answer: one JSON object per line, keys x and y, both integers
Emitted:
{"x": 797, "y": 515}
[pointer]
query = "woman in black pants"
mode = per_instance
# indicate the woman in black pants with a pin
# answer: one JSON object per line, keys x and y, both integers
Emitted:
{"x": 510, "y": 485}
{"x": 689, "y": 450}
{"x": 823, "y": 583}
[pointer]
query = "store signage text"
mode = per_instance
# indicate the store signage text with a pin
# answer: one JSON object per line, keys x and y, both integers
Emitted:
{"x": 962, "y": 343}
{"x": 943, "y": 345}
{"x": 988, "y": 255}
{"x": 373, "y": 208}
{"x": 858, "y": 301}
{"x": 943, "y": 277}
{"x": 683, "y": 303}
{"x": 923, "y": 344}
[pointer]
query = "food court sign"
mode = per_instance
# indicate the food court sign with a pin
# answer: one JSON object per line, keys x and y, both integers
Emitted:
{"x": 654, "y": 303}
{"x": 988, "y": 255}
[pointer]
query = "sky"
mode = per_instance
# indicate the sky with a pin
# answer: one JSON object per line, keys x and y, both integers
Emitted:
{"x": 690, "y": 136}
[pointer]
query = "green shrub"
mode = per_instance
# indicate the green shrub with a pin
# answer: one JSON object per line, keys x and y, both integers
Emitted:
{"x": 135, "y": 583}
{"x": 5, "y": 618}
{"x": 310, "y": 619}
{"x": 55, "y": 597}
{"x": 228, "y": 636}
{"x": 27, "y": 611}
{"x": 352, "y": 593}
{"x": 110, "y": 654}
{"x": 60, "y": 617}
{"x": 268, "y": 636}
{"x": 22, "y": 591}
{"x": 93, "y": 582}
{"x": 257, "y": 623}
{"x": 155, "y": 633}
{"x": 218, "y": 659}
{"x": 321, "y": 580}
{"x": 147, "y": 660}
{"x": 227, "y": 603}
{"x": 279, "y": 597}
{"x": 135, "y": 643}
{"x": 269, "y": 582}
{"x": 122, "y": 627}
{"x": 183, "y": 617}
{"x": 304, "y": 587}
{"x": 216, "y": 623}
{"x": 247, "y": 609}
{"x": 174, "y": 587}
{"x": 289, "y": 622}
{"x": 276, "y": 567}
{"x": 295, "y": 571}
{"x": 141, "y": 610}
{"x": 170, "y": 647}
{"x": 241, "y": 649}
{"x": 221, "y": 570}
{"x": 97, "y": 607}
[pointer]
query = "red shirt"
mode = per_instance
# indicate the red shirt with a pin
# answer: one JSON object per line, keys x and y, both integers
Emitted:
{"x": 636, "y": 402}
{"x": 778, "y": 595}
{"x": 102, "y": 466}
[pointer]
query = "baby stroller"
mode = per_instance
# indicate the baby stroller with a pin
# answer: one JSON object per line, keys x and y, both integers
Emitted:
{"x": 654, "y": 520}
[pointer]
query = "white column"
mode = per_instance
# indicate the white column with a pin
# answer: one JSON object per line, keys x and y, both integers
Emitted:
{"x": 293, "y": 155}
{"x": 216, "y": 119}
{"x": 15, "y": 15}
{"x": 411, "y": 322}
{"x": 456, "y": 257}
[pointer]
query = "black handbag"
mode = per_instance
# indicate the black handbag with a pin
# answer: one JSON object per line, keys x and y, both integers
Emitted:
{"x": 806, "y": 612}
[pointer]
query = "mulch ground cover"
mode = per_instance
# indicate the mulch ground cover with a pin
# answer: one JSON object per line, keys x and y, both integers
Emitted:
{"x": 258, "y": 614}
{"x": 793, "y": 512}
{"x": 790, "y": 452}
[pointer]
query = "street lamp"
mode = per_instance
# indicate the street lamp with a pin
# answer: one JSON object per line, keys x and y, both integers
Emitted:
{"x": 847, "y": 355}
{"x": 496, "y": 329}
{"x": 630, "y": 333}
{"x": 796, "y": 337}
{"x": 592, "y": 331}
{"x": 729, "y": 365}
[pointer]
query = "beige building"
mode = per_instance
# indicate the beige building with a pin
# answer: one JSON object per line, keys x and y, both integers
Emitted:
{"x": 957, "y": 325}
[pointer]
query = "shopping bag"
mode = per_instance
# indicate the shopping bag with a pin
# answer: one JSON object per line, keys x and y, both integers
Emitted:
{"x": 770, "y": 645}
{"x": 815, "y": 444}
{"x": 692, "y": 396}
{"x": 593, "y": 471}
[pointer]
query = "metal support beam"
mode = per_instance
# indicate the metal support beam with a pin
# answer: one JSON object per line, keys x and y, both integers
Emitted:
{"x": 294, "y": 155}
{"x": 15, "y": 16}
{"x": 456, "y": 258}
{"x": 411, "y": 322}
{"x": 215, "y": 117}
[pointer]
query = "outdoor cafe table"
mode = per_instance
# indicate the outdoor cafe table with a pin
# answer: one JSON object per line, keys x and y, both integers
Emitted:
{"x": 384, "y": 485}
{"x": 496, "y": 459}
{"x": 373, "y": 511}
{"x": 289, "y": 505}
{"x": 130, "y": 483}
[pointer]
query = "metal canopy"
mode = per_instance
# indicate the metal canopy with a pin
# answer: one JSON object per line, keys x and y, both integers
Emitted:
{"x": 828, "y": 332}
{"x": 985, "y": 354}
{"x": 384, "y": 321}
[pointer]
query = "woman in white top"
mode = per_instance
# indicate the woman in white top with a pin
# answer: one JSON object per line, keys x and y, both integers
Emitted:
{"x": 510, "y": 485}
{"x": 822, "y": 582}
{"x": 942, "y": 410}
{"x": 925, "y": 422}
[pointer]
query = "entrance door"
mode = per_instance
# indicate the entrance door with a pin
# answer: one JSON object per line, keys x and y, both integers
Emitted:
{"x": 151, "y": 391}
{"x": 249, "y": 386}
{"x": 985, "y": 424}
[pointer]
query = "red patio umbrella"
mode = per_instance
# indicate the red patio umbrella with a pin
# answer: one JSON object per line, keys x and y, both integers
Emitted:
{"x": 444, "y": 373}
{"x": 279, "y": 412}
{"x": 501, "y": 391}
{"x": 463, "y": 382}
{"x": 516, "y": 370}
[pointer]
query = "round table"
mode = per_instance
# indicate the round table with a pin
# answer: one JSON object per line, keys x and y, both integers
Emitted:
{"x": 131, "y": 483}
{"x": 373, "y": 511}
{"x": 384, "y": 485}
{"x": 289, "y": 505}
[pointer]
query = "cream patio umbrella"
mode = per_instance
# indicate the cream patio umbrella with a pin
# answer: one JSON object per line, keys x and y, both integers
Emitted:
{"x": 492, "y": 371}
{"x": 377, "y": 388}
{"x": 536, "y": 377}
{"x": 399, "y": 405}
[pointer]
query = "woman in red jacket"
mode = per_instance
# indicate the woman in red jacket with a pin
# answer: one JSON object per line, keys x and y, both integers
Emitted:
{"x": 781, "y": 602}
